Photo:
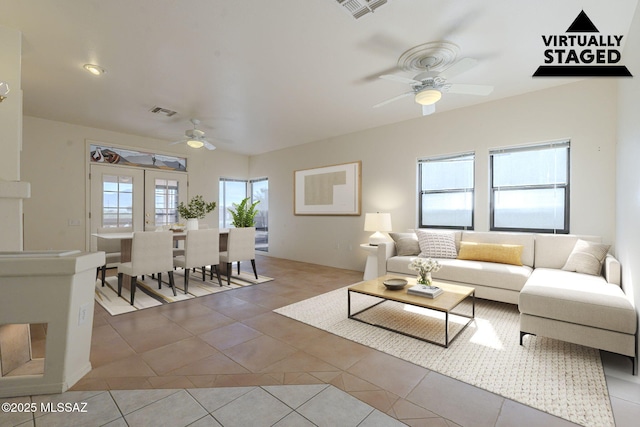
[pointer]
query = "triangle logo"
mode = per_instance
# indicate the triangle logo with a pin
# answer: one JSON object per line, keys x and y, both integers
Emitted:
{"x": 582, "y": 24}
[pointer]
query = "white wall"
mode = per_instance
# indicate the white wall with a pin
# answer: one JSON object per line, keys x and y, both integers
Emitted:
{"x": 54, "y": 161}
{"x": 585, "y": 112}
{"x": 628, "y": 173}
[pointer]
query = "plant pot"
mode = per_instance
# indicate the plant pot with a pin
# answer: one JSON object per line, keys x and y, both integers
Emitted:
{"x": 192, "y": 224}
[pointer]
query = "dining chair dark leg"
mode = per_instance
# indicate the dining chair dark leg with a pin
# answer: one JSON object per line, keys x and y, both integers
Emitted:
{"x": 159, "y": 280}
{"x": 119, "y": 284}
{"x": 229, "y": 267}
{"x": 211, "y": 273}
{"x": 172, "y": 283}
{"x": 217, "y": 274}
{"x": 104, "y": 273}
{"x": 253, "y": 264}
{"x": 133, "y": 287}
{"x": 204, "y": 272}
{"x": 238, "y": 268}
{"x": 186, "y": 280}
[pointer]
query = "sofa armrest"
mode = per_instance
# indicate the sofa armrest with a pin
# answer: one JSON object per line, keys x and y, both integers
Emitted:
{"x": 612, "y": 270}
{"x": 385, "y": 251}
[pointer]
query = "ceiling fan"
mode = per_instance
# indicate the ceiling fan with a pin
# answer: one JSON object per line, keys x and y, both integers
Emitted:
{"x": 195, "y": 138}
{"x": 427, "y": 87}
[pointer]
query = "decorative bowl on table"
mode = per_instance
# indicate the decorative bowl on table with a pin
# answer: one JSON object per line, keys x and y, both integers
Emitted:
{"x": 395, "y": 284}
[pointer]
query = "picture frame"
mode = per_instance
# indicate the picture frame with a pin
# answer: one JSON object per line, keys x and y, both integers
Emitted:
{"x": 328, "y": 190}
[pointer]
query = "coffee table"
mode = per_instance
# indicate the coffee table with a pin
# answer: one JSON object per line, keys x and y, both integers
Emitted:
{"x": 446, "y": 302}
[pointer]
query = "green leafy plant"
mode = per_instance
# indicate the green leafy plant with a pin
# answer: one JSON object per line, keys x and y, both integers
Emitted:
{"x": 244, "y": 214}
{"x": 196, "y": 209}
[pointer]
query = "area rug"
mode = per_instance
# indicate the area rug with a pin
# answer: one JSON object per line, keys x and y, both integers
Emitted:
{"x": 557, "y": 377}
{"x": 148, "y": 295}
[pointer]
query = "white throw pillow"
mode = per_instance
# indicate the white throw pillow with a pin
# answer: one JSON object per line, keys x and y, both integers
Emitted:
{"x": 586, "y": 257}
{"x": 437, "y": 244}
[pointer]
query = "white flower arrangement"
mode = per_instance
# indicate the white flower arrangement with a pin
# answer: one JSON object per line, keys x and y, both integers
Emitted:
{"x": 424, "y": 267}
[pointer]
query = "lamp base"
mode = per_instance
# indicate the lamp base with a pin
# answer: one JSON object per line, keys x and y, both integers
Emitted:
{"x": 376, "y": 238}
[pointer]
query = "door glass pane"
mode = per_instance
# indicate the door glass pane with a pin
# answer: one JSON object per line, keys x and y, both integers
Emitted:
{"x": 260, "y": 192}
{"x": 231, "y": 192}
{"x": 117, "y": 201}
{"x": 166, "y": 201}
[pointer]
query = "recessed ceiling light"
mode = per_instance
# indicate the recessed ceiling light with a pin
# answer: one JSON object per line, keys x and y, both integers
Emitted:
{"x": 96, "y": 70}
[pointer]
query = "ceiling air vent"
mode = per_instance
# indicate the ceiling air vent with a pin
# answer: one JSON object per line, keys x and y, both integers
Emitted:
{"x": 358, "y": 8}
{"x": 165, "y": 111}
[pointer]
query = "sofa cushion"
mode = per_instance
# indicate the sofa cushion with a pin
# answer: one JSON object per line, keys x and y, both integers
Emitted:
{"x": 489, "y": 274}
{"x": 437, "y": 244}
{"x": 491, "y": 252}
{"x": 578, "y": 298}
{"x": 586, "y": 257}
{"x": 406, "y": 243}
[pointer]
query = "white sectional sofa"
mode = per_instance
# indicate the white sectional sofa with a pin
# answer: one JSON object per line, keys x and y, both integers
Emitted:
{"x": 587, "y": 309}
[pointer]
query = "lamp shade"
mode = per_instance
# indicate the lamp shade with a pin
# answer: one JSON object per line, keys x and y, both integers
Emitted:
{"x": 428, "y": 96}
{"x": 377, "y": 222}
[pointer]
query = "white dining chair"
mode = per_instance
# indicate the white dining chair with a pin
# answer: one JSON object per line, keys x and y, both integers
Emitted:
{"x": 201, "y": 249}
{"x": 111, "y": 248}
{"x": 151, "y": 252}
{"x": 241, "y": 246}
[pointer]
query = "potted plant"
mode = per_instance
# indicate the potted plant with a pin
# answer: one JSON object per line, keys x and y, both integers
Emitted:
{"x": 196, "y": 209}
{"x": 244, "y": 214}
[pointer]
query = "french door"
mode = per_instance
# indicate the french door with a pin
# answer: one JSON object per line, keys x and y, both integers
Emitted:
{"x": 134, "y": 198}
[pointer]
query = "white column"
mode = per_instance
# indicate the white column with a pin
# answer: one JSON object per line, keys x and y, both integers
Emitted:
{"x": 12, "y": 191}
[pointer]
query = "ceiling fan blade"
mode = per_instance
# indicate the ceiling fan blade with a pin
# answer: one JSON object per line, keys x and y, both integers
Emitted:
{"x": 459, "y": 67}
{"x": 395, "y": 98}
{"x": 178, "y": 142}
{"x": 428, "y": 109}
{"x": 208, "y": 145}
{"x": 400, "y": 79}
{"x": 481, "y": 90}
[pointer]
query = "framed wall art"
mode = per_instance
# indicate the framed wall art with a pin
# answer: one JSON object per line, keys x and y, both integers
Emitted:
{"x": 329, "y": 190}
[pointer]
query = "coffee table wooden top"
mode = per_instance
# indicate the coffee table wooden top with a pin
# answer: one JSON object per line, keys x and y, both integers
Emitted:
{"x": 445, "y": 302}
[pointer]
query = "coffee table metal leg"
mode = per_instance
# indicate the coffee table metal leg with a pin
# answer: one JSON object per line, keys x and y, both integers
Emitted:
{"x": 446, "y": 330}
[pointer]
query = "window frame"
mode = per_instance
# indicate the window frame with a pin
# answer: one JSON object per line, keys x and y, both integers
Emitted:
{"x": 567, "y": 186}
{"x": 471, "y": 189}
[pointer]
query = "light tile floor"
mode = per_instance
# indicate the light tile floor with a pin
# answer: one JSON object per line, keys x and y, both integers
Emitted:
{"x": 285, "y": 405}
{"x": 227, "y": 359}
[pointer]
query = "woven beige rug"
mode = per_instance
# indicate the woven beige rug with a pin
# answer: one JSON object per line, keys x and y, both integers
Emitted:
{"x": 560, "y": 378}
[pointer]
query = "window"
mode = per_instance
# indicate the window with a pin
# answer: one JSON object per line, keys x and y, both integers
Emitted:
{"x": 530, "y": 188}
{"x": 260, "y": 192}
{"x": 231, "y": 191}
{"x": 166, "y": 195}
{"x": 117, "y": 201}
{"x": 446, "y": 191}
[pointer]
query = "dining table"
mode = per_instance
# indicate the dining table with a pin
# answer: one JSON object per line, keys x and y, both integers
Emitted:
{"x": 126, "y": 240}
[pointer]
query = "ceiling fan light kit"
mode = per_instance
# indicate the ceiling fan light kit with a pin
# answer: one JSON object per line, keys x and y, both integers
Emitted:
{"x": 194, "y": 143}
{"x": 428, "y": 96}
{"x": 195, "y": 138}
{"x": 436, "y": 62}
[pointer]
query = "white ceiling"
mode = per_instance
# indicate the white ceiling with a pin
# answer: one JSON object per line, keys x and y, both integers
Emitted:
{"x": 265, "y": 75}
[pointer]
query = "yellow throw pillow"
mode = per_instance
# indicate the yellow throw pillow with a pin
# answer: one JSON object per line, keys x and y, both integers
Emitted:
{"x": 491, "y": 252}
